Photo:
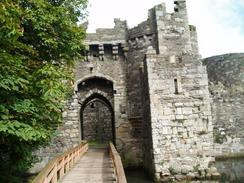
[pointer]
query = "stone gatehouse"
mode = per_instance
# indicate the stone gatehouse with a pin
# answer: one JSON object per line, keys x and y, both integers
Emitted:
{"x": 145, "y": 89}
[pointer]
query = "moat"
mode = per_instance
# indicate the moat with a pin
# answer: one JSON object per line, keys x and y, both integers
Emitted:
{"x": 231, "y": 170}
{"x": 134, "y": 175}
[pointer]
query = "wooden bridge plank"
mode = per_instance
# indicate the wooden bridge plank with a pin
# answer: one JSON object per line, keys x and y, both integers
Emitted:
{"x": 94, "y": 167}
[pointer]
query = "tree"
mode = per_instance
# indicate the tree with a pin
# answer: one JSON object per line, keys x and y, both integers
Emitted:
{"x": 39, "y": 41}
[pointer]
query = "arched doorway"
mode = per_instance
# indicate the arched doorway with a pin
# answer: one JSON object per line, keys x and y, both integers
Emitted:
{"x": 97, "y": 119}
{"x": 97, "y": 112}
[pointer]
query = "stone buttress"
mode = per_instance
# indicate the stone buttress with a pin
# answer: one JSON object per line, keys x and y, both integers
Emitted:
{"x": 167, "y": 79}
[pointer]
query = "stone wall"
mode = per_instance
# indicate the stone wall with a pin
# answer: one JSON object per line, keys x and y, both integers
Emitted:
{"x": 139, "y": 38}
{"x": 114, "y": 71}
{"x": 181, "y": 119}
{"x": 97, "y": 123}
{"x": 226, "y": 78}
{"x": 180, "y": 113}
{"x": 114, "y": 35}
{"x": 173, "y": 31}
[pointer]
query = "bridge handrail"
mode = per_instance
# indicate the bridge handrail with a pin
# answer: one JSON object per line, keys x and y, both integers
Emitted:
{"x": 60, "y": 165}
{"x": 119, "y": 170}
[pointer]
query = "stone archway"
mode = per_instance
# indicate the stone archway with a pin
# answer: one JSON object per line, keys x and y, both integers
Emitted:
{"x": 93, "y": 76}
{"x": 97, "y": 118}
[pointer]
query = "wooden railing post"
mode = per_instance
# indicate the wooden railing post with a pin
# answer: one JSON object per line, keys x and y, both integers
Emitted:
{"x": 118, "y": 166}
{"x": 68, "y": 163}
{"x": 55, "y": 176}
{"x": 62, "y": 168}
{"x": 61, "y": 164}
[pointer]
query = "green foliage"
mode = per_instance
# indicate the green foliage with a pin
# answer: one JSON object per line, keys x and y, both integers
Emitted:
{"x": 39, "y": 41}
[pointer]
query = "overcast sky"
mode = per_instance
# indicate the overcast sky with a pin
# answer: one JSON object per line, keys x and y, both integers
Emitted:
{"x": 220, "y": 23}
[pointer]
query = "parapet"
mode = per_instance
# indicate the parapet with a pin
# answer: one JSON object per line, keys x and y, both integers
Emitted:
{"x": 116, "y": 35}
{"x": 167, "y": 33}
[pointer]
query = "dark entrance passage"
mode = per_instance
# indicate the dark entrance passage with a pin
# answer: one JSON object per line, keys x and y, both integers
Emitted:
{"x": 97, "y": 112}
{"x": 97, "y": 122}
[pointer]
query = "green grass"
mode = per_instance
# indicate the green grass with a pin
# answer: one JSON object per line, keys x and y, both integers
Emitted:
{"x": 97, "y": 144}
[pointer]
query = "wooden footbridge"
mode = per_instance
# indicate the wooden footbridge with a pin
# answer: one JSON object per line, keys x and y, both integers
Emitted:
{"x": 82, "y": 164}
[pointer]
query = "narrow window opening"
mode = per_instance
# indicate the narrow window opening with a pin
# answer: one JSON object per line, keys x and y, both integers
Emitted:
{"x": 176, "y": 9}
{"x": 180, "y": 59}
{"x": 176, "y": 86}
{"x": 91, "y": 69}
{"x": 176, "y": 2}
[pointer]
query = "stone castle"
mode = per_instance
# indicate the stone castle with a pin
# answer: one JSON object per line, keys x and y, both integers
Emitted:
{"x": 145, "y": 89}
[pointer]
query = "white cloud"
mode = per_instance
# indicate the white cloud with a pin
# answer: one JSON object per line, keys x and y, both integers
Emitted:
{"x": 102, "y": 13}
{"x": 218, "y": 23}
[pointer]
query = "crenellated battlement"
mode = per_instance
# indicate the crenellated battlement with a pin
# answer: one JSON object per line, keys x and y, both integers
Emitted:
{"x": 107, "y": 43}
{"x": 114, "y": 35}
{"x": 167, "y": 33}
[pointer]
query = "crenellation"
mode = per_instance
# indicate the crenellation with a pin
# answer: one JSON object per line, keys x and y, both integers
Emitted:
{"x": 116, "y": 35}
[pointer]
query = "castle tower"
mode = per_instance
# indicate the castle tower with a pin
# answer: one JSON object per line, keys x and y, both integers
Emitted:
{"x": 146, "y": 90}
{"x": 179, "y": 112}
